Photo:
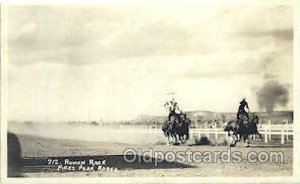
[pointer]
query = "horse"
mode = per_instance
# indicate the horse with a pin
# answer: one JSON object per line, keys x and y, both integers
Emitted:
{"x": 182, "y": 128}
{"x": 242, "y": 128}
{"x": 232, "y": 126}
{"x": 250, "y": 128}
{"x": 176, "y": 128}
{"x": 168, "y": 129}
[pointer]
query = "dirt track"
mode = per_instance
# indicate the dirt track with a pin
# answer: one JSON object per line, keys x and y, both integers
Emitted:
{"x": 36, "y": 150}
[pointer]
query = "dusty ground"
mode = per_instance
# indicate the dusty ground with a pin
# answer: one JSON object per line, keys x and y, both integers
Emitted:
{"x": 36, "y": 150}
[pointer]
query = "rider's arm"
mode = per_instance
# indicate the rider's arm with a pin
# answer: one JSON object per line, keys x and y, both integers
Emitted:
{"x": 246, "y": 108}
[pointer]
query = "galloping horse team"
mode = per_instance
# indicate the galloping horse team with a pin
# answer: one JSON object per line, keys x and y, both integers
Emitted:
{"x": 242, "y": 128}
{"x": 176, "y": 127}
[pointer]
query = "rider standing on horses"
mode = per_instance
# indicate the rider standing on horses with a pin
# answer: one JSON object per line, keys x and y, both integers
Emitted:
{"x": 243, "y": 109}
{"x": 173, "y": 108}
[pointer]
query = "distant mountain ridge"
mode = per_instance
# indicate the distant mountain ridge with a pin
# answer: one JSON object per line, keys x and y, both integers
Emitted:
{"x": 205, "y": 116}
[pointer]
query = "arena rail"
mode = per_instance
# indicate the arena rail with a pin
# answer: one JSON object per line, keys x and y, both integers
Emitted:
{"x": 267, "y": 130}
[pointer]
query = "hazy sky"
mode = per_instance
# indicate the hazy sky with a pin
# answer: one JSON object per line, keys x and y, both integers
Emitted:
{"x": 119, "y": 61}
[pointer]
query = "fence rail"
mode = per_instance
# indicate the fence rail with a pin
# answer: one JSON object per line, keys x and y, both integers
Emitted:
{"x": 267, "y": 130}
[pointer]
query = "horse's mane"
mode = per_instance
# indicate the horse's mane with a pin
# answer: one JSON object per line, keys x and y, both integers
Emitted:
{"x": 255, "y": 119}
{"x": 231, "y": 121}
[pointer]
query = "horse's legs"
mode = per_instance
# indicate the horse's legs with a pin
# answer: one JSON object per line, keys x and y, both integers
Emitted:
{"x": 246, "y": 140}
{"x": 182, "y": 139}
{"x": 168, "y": 140}
{"x": 260, "y": 137}
{"x": 172, "y": 138}
{"x": 234, "y": 141}
{"x": 236, "y": 137}
{"x": 252, "y": 137}
{"x": 175, "y": 137}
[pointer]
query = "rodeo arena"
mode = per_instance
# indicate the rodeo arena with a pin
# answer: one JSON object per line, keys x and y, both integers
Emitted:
{"x": 149, "y": 145}
{"x": 178, "y": 123}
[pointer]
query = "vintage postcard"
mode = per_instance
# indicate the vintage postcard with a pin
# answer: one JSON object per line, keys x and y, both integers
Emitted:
{"x": 152, "y": 91}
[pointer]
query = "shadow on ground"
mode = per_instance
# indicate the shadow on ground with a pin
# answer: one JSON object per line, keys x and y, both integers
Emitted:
{"x": 14, "y": 159}
{"x": 37, "y": 164}
{"x": 18, "y": 165}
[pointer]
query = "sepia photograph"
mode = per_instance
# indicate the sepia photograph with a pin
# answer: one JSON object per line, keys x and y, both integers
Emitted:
{"x": 147, "y": 89}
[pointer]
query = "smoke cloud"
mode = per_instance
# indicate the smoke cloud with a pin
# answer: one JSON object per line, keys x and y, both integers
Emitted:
{"x": 272, "y": 95}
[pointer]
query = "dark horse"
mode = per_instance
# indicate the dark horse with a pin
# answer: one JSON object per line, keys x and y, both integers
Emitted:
{"x": 182, "y": 128}
{"x": 176, "y": 128}
{"x": 243, "y": 128}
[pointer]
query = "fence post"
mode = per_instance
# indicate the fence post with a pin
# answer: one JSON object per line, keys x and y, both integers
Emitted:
{"x": 287, "y": 129}
{"x": 282, "y": 136}
{"x": 229, "y": 140}
{"x": 197, "y": 129}
{"x": 216, "y": 131}
{"x": 266, "y": 133}
{"x": 270, "y": 134}
{"x": 206, "y": 132}
{"x": 266, "y": 137}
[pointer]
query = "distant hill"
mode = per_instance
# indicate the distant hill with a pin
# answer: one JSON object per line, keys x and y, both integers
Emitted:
{"x": 201, "y": 117}
{"x": 198, "y": 119}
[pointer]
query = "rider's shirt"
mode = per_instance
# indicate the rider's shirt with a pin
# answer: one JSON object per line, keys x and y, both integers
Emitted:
{"x": 243, "y": 106}
{"x": 172, "y": 105}
{"x": 177, "y": 110}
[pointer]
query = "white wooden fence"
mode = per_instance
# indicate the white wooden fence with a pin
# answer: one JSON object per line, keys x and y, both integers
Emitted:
{"x": 267, "y": 130}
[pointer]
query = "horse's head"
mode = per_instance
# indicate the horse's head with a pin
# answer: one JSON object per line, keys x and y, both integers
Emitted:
{"x": 230, "y": 126}
{"x": 243, "y": 117}
{"x": 182, "y": 117}
{"x": 185, "y": 116}
{"x": 172, "y": 118}
{"x": 255, "y": 119}
{"x": 188, "y": 121}
{"x": 165, "y": 125}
